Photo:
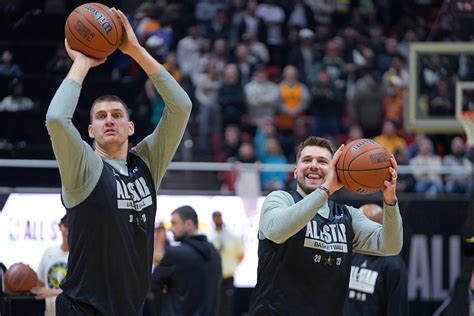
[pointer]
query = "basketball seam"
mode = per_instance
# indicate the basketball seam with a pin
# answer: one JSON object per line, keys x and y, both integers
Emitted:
{"x": 96, "y": 28}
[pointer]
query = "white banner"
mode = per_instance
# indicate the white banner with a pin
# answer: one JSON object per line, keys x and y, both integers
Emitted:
{"x": 28, "y": 225}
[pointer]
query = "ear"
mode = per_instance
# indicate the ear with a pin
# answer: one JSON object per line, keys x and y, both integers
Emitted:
{"x": 294, "y": 173}
{"x": 89, "y": 130}
{"x": 131, "y": 128}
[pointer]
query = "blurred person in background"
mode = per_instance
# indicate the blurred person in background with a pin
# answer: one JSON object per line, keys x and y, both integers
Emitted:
{"x": 52, "y": 270}
{"x": 231, "y": 250}
{"x": 458, "y": 182}
{"x": 8, "y": 67}
{"x": 189, "y": 276}
{"x": 425, "y": 169}
{"x": 16, "y": 101}
{"x": 378, "y": 284}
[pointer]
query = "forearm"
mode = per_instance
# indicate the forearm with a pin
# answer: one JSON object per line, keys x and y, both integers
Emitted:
{"x": 158, "y": 148}
{"x": 281, "y": 218}
{"x": 375, "y": 239}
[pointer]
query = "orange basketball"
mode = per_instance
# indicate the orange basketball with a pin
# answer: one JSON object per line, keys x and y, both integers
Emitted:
{"x": 94, "y": 30}
{"x": 364, "y": 166}
{"x": 20, "y": 278}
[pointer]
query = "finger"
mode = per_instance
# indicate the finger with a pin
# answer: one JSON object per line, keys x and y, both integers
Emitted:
{"x": 393, "y": 161}
{"x": 393, "y": 172}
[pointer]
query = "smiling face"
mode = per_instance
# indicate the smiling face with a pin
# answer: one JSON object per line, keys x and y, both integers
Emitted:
{"x": 110, "y": 125}
{"x": 312, "y": 167}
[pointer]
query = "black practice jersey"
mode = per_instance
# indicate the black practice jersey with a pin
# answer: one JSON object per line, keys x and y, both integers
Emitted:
{"x": 377, "y": 287}
{"x": 308, "y": 274}
{"x": 111, "y": 241}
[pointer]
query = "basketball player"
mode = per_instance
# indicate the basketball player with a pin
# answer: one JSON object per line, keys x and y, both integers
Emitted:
{"x": 306, "y": 241}
{"x": 110, "y": 192}
{"x": 378, "y": 285}
{"x": 52, "y": 270}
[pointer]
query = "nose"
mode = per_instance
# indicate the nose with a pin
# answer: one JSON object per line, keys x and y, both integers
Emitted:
{"x": 109, "y": 119}
{"x": 314, "y": 164}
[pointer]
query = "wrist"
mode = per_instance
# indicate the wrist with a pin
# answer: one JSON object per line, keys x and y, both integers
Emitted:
{"x": 325, "y": 189}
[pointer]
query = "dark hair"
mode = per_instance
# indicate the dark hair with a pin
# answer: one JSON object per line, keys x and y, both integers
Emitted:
{"x": 314, "y": 141}
{"x": 109, "y": 98}
{"x": 187, "y": 212}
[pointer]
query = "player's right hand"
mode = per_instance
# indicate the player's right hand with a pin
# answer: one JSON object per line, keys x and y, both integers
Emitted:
{"x": 332, "y": 181}
{"x": 77, "y": 55}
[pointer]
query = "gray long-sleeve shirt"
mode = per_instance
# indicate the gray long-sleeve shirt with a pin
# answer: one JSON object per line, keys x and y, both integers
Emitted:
{"x": 80, "y": 166}
{"x": 282, "y": 218}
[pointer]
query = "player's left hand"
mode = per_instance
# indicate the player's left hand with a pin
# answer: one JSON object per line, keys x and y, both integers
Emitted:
{"x": 42, "y": 292}
{"x": 390, "y": 190}
{"x": 129, "y": 44}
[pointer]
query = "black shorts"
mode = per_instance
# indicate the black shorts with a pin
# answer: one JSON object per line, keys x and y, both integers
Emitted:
{"x": 65, "y": 306}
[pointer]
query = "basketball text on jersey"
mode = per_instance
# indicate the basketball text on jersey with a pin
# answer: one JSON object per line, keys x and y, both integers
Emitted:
{"x": 363, "y": 279}
{"x": 133, "y": 195}
{"x": 328, "y": 237}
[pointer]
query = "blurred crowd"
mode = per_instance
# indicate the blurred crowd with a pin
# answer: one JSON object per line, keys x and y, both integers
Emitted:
{"x": 263, "y": 75}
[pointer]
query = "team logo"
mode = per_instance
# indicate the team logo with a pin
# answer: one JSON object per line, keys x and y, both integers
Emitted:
{"x": 56, "y": 274}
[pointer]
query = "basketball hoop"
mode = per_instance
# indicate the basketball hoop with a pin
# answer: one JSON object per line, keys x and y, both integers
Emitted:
{"x": 467, "y": 120}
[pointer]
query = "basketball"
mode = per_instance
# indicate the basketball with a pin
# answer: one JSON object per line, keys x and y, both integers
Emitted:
{"x": 20, "y": 278}
{"x": 94, "y": 30}
{"x": 364, "y": 166}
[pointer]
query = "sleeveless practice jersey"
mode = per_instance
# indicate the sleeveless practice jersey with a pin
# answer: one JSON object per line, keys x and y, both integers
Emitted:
{"x": 111, "y": 241}
{"x": 378, "y": 286}
{"x": 309, "y": 273}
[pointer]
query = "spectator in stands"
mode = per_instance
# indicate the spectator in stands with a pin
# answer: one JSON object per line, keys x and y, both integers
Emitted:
{"x": 426, "y": 165}
{"x": 245, "y": 61}
{"x": 206, "y": 88}
{"x": 397, "y": 69}
{"x": 299, "y": 14}
{"x": 458, "y": 182}
{"x": 384, "y": 59}
{"x": 364, "y": 107}
{"x": 406, "y": 181}
{"x": 274, "y": 17}
{"x": 326, "y": 105}
{"x": 250, "y": 22}
{"x": 229, "y": 147}
{"x": 257, "y": 48}
{"x": 231, "y": 97}
{"x": 294, "y": 99}
{"x": 354, "y": 132}
{"x": 8, "y": 67}
{"x": 269, "y": 151}
{"x": 16, "y": 101}
{"x": 378, "y": 284}
{"x": 394, "y": 101}
{"x": 189, "y": 276}
{"x": 433, "y": 71}
{"x": 333, "y": 63}
{"x": 389, "y": 138}
{"x": 262, "y": 96}
{"x": 52, "y": 270}
{"x": 231, "y": 250}
{"x": 187, "y": 50}
{"x": 441, "y": 101}
{"x": 60, "y": 63}
{"x": 219, "y": 25}
{"x": 303, "y": 54}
